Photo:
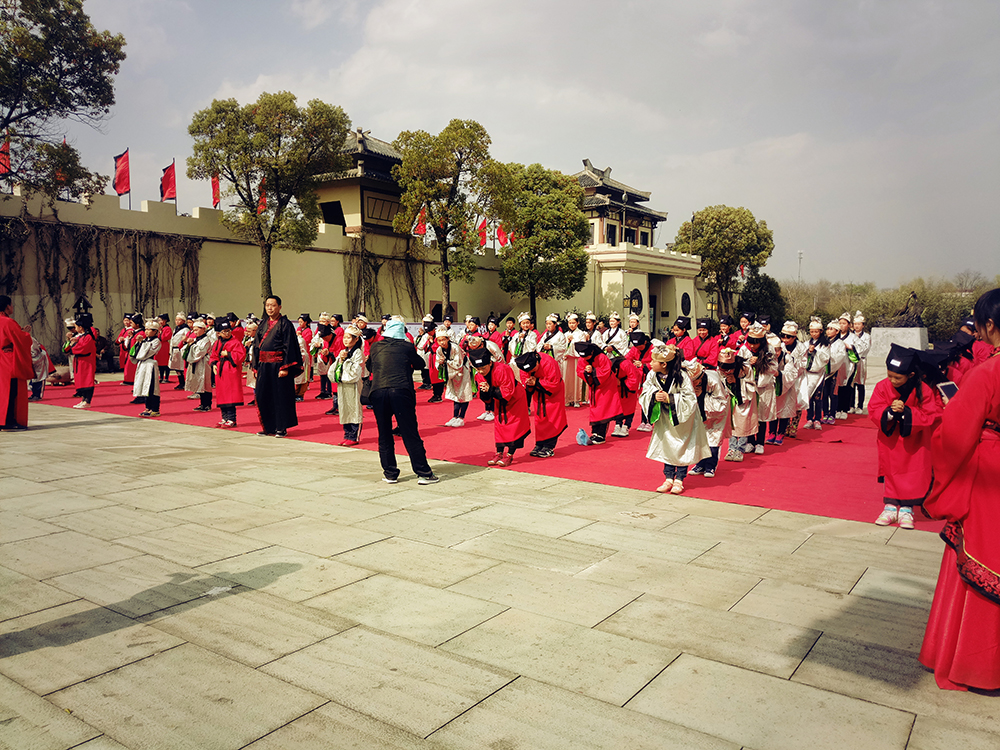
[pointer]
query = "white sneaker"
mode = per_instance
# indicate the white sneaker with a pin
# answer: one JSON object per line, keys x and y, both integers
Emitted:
{"x": 488, "y": 417}
{"x": 841, "y": 415}
{"x": 888, "y": 516}
{"x": 645, "y": 427}
{"x": 614, "y": 432}
{"x": 709, "y": 475}
{"x": 759, "y": 450}
{"x": 458, "y": 422}
{"x": 623, "y": 432}
{"x": 483, "y": 415}
{"x": 81, "y": 405}
{"x": 450, "y": 422}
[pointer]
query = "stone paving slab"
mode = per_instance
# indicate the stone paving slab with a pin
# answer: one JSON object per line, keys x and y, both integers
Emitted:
{"x": 660, "y": 544}
{"x": 45, "y": 556}
{"x": 408, "y": 686}
{"x": 113, "y": 522}
{"x": 718, "y": 589}
{"x": 893, "y": 678}
{"x": 29, "y": 721}
{"x": 139, "y": 585}
{"x": 933, "y": 734}
{"x": 192, "y": 545}
{"x": 411, "y": 610}
{"x": 896, "y": 587}
{"x": 14, "y": 527}
{"x": 611, "y": 668}
{"x": 42, "y": 505}
{"x": 546, "y": 592}
{"x": 529, "y": 715}
{"x": 320, "y": 538}
{"x": 250, "y": 627}
{"x": 426, "y": 527}
{"x": 765, "y": 712}
{"x": 750, "y": 642}
{"x": 228, "y": 515}
{"x": 21, "y": 594}
{"x": 416, "y": 561}
{"x": 186, "y": 697}
{"x": 535, "y": 551}
{"x": 336, "y": 727}
{"x": 290, "y": 574}
{"x": 57, "y": 647}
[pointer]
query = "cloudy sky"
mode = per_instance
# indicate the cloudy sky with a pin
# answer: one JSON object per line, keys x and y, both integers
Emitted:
{"x": 864, "y": 132}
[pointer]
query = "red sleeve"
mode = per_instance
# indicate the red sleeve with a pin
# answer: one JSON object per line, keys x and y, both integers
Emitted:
{"x": 927, "y": 412}
{"x": 213, "y": 356}
{"x": 602, "y": 366}
{"x": 237, "y": 352}
{"x": 883, "y": 395}
{"x": 503, "y": 378}
{"x": 549, "y": 374}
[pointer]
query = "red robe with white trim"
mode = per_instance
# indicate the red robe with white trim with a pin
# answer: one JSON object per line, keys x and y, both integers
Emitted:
{"x": 904, "y": 463}
{"x": 707, "y": 351}
{"x": 84, "y": 351}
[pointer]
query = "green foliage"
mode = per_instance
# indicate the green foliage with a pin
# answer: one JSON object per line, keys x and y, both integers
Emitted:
{"x": 762, "y": 294}
{"x": 940, "y": 302}
{"x": 276, "y": 144}
{"x": 54, "y": 66}
{"x": 725, "y": 238}
{"x": 547, "y": 259}
{"x": 453, "y": 179}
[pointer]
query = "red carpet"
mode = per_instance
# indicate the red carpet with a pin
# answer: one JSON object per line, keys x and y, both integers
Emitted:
{"x": 830, "y": 473}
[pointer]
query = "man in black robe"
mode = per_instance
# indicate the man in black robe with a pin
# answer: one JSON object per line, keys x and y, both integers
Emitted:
{"x": 277, "y": 361}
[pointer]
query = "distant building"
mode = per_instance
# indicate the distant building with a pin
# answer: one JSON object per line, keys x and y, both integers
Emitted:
{"x": 364, "y": 197}
{"x": 613, "y": 209}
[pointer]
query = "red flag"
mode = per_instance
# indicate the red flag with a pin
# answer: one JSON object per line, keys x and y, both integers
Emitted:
{"x": 421, "y": 225}
{"x": 262, "y": 200}
{"x": 122, "y": 184}
{"x": 502, "y": 236}
{"x": 511, "y": 238}
{"x": 5, "y": 156}
{"x": 216, "y": 191}
{"x": 482, "y": 233}
{"x": 168, "y": 183}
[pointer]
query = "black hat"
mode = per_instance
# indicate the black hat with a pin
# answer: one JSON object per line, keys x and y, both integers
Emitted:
{"x": 511, "y": 319}
{"x": 475, "y": 320}
{"x": 586, "y": 348}
{"x": 493, "y": 319}
{"x": 683, "y": 322}
{"x": 901, "y": 359}
{"x": 704, "y": 323}
{"x": 368, "y": 333}
{"x": 85, "y": 320}
{"x": 638, "y": 338}
{"x": 933, "y": 363}
{"x": 527, "y": 361}
{"x": 726, "y": 320}
{"x": 386, "y": 316}
{"x": 193, "y": 316}
{"x": 963, "y": 340}
{"x": 750, "y": 316}
{"x": 429, "y": 325}
{"x": 306, "y": 318}
{"x": 138, "y": 320}
{"x": 480, "y": 357}
{"x": 968, "y": 322}
{"x": 338, "y": 317}
{"x": 323, "y": 330}
{"x": 232, "y": 317}
{"x": 223, "y": 325}
{"x": 448, "y": 318}
{"x": 764, "y": 320}
{"x": 164, "y": 317}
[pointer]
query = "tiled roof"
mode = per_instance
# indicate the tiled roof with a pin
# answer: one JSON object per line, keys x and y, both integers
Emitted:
{"x": 359, "y": 142}
{"x": 604, "y": 201}
{"x": 598, "y": 178}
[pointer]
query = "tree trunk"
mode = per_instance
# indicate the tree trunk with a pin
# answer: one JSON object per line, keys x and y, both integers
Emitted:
{"x": 531, "y": 300}
{"x": 445, "y": 285}
{"x": 265, "y": 270}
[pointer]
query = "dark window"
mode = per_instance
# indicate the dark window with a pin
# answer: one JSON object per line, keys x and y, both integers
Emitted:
{"x": 685, "y": 304}
{"x": 630, "y": 235}
{"x": 333, "y": 213}
{"x": 611, "y": 234}
{"x": 644, "y": 238}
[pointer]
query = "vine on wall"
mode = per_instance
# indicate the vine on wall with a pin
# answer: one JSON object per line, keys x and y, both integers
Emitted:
{"x": 47, "y": 265}
{"x": 365, "y": 286}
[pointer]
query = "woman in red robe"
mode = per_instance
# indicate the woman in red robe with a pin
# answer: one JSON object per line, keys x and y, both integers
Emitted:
{"x": 962, "y": 641}
{"x": 495, "y": 382}
{"x": 543, "y": 382}
{"x": 594, "y": 368}
{"x": 15, "y": 369}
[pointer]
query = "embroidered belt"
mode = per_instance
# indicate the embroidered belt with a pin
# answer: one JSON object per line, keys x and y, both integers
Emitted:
{"x": 271, "y": 358}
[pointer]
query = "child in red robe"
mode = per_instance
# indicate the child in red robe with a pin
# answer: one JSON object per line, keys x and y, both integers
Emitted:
{"x": 906, "y": 413}
{"x": 543, "y": 382}
{"x": 82, "y": 344}
{"x": 495, "y": 381}
{"x": 594, "y": 368}
{"x": 227, "y": 358}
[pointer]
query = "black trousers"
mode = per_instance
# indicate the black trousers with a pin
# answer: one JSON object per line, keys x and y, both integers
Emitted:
{"x": 400, "y": 403}
{"x": 275, "y": 398}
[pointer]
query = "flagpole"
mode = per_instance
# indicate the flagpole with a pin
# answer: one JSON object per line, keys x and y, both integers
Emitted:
{"x": 173, "y": 163}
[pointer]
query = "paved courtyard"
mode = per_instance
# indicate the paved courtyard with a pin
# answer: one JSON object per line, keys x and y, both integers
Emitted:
{"x": 166, "y": 586}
